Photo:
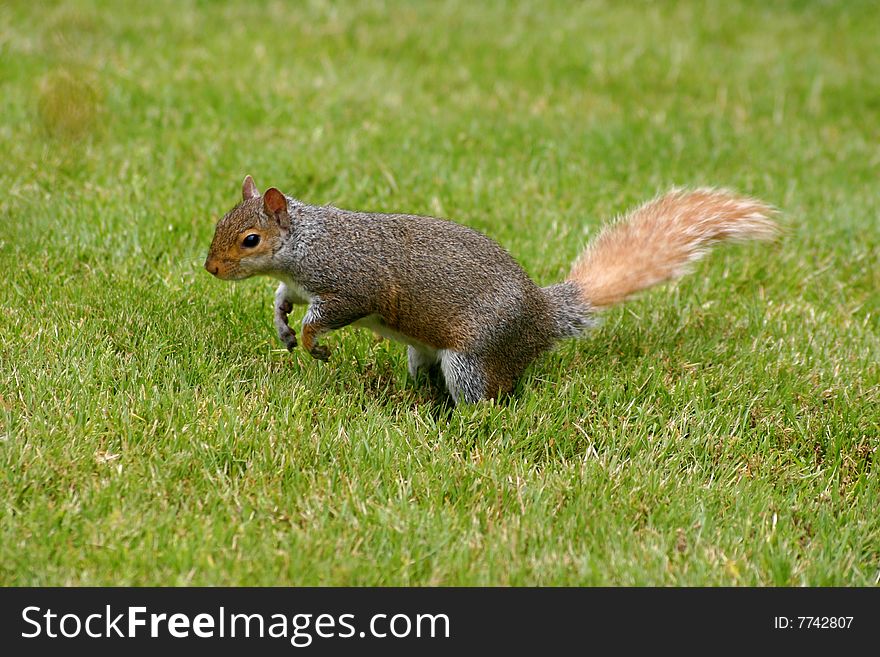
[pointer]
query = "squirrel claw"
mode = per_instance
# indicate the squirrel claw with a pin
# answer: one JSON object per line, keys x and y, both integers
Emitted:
{"x": 320, "y": 352}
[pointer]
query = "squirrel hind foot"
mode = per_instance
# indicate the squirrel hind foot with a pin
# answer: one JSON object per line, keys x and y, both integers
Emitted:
{"x": 320, "y": 352}
{"x": 465, "y": 376}
{"x": 471, "y": 377}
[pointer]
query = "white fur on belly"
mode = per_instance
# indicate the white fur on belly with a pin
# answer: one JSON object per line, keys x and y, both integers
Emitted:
{"x": 376, "y": 324}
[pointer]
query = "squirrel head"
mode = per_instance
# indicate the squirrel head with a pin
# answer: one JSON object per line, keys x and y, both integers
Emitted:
{"x": 248, "y": 236}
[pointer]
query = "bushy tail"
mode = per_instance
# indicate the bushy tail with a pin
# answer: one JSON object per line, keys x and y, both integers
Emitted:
{"x": 657, "y": 241}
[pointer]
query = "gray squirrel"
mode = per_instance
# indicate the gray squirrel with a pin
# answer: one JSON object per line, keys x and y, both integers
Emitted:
{"x": 451, "y": 294}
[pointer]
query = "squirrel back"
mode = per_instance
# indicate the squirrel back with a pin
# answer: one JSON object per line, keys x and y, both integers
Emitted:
{"x": 430, "y": 279}
{"x": 453, "y": 295}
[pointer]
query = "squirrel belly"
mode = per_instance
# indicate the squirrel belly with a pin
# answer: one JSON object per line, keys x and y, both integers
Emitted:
{"x": 453, "y": 295}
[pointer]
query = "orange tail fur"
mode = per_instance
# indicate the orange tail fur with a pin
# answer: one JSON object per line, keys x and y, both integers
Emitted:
{"x": 658, "y": 241}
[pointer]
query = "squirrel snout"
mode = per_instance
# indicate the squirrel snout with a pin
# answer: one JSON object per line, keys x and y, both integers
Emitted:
{"x": 212, "y": 267}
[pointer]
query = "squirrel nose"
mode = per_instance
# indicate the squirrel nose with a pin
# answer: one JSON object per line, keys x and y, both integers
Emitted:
{"x": 211, "y": 267}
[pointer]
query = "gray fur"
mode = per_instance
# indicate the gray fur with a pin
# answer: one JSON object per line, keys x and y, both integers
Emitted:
{"x": 572, "y": 316}
{"x": 465, "y": 375}
{"x": 449, "y": 292}
{"x": 433, "y": 284}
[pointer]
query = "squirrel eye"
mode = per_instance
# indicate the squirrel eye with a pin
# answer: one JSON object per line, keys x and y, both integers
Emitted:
{"x": 251, "y": 240}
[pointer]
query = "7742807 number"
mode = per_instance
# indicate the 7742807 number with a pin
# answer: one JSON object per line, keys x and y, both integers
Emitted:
{"x": 825, "y": 622}
{"x": 813, "y": 622}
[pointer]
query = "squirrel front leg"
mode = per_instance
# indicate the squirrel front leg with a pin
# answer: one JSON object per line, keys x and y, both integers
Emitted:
{"x": 283, "y": 307}
{"x": 327, "y": 313}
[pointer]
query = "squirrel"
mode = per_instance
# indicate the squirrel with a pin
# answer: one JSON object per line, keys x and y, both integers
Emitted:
{"x": 450, "y": 293}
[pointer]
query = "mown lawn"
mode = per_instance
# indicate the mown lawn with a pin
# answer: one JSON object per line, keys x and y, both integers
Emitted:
{"x": 723, "y": 431}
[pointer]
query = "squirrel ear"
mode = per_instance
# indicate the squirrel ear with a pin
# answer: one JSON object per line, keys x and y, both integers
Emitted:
{"x": 249, "y": 189}
{"x": 274, "y": 201}
{"x": 275, "y": 205}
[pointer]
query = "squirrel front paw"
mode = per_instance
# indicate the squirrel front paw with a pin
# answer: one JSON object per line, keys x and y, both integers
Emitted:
{"x": 288, "y": 339}
{"x": 320, "y": 352}
{"x": 285, "y": 333}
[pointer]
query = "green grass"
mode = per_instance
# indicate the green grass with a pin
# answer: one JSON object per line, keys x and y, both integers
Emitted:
{"x": 723, "y": 431}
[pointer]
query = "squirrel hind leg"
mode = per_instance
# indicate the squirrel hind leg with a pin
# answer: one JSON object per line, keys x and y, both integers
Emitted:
{"x": 465, "y": 376}
{"x": 420, "y": 360}
{"x": 470, "y": 377}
